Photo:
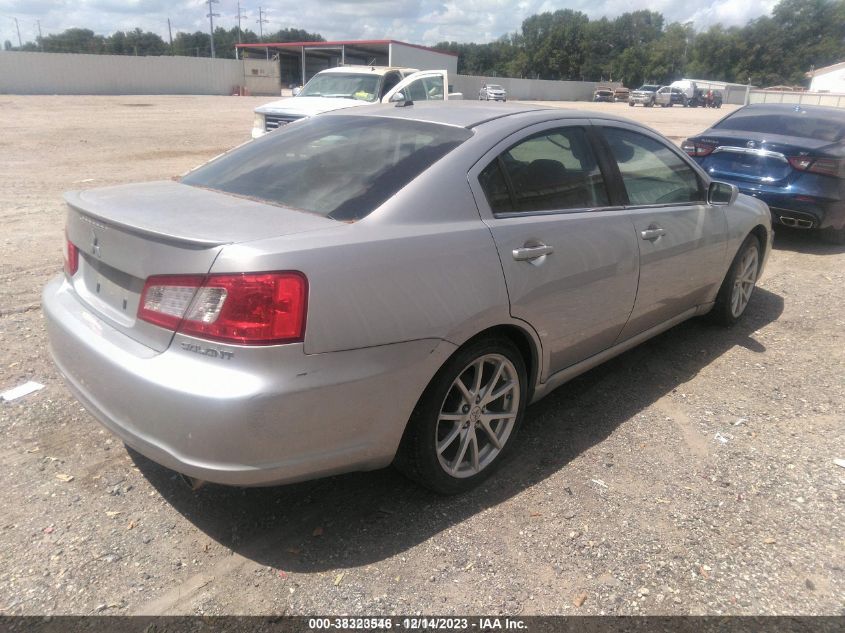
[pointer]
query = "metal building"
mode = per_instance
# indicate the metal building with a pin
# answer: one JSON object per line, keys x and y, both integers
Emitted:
{"x": 299, "y": 61}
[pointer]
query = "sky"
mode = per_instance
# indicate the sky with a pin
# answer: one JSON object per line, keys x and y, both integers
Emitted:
{"x": 416, "y": 21}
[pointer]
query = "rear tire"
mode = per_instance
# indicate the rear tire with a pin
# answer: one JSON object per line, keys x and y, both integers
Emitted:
{"x": 834, "y": 236}
{"x": 738, "y": 286}
{"x": 454, "y": 440}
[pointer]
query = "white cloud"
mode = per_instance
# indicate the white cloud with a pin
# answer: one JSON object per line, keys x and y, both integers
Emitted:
{"x": 419, "y": 21}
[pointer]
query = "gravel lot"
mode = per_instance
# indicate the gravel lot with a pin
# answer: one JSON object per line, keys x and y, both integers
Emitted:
{"x": 693, "y": 475}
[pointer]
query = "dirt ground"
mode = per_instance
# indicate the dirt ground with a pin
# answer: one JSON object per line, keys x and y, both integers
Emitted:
{"x": 693, "y": 475}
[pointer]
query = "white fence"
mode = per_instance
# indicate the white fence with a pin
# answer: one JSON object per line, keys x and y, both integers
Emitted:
{"x": 835, "y": 100}
{"x": 528, "y": 89}
{"x": 66, "y": 73}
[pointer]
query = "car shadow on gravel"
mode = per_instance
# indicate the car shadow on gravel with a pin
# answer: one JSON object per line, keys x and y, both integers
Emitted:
{"x": 363, "y": 518}
{"x": 807, "y": 242}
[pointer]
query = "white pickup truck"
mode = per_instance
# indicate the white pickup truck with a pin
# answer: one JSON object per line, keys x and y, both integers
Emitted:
{"x": 353, "y": 86}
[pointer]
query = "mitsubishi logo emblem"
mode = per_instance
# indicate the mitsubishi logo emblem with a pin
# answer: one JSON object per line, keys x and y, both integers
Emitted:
{"x": 95, "y": 245}
{"x": 751, "y": 144}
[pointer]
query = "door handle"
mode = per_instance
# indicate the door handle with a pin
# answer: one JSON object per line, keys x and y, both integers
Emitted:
{"x": 652, "y": 233}
{"x": 527, "y": 253}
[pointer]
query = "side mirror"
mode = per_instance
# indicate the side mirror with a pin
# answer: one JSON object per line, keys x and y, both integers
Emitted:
{"x": 721, "y": 193}
{"x": 399, "y": 96}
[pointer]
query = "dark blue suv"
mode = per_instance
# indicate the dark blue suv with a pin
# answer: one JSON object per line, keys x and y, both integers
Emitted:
{"x": 792, "y": 157}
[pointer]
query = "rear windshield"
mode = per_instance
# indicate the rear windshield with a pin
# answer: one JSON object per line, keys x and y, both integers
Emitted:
{"x": 341, "y": 167}
{"x": 800, "y": 124}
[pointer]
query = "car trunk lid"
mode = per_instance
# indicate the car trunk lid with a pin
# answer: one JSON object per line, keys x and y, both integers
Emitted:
{"x": 756, "y": 158}
{"x": 126, "y": 234}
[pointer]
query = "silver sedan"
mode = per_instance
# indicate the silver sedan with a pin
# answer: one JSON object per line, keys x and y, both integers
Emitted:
{"x": 390, "y": 286}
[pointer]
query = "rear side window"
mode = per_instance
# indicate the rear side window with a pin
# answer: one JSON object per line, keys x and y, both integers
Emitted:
{"x": 554, "y": 170}
{"x": 342, "y": 167}
{"x": 800, "y": 124}
{"x": 652, "y": 173}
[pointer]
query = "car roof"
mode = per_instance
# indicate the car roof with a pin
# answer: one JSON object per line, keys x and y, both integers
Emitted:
{"x": 373, "y": 70}
{"x": 466, "y": 114}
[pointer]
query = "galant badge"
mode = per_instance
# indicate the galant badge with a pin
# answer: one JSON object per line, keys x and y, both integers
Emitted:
{"x": 95, "y": 245}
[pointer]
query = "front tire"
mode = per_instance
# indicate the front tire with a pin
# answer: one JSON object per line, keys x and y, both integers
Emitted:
{"x": 738, "y": 286}
{"x": 466, "y": 419}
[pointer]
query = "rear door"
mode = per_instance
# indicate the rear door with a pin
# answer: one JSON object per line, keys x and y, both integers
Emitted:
{"x": 682, "y": 240}
{"x": 569, "y": 255}
{"x": 425, "y": 85}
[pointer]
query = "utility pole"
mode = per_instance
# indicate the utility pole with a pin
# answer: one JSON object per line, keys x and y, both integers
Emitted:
{"x": 170, "y": 35}
{"x": 261, "y": 22}
{"x": 211, "y": 16}
{"x": 40, "y": 38}
{"x": 241, "y": 15}
{"x": 20, "y": 43}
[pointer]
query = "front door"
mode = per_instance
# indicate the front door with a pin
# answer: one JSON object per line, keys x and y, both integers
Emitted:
{"x": 682, "y": 240}
{"x": 569, "y": 257}
{"x": 425, "y": 85}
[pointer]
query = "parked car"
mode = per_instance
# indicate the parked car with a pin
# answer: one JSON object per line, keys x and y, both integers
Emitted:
{"x": 790, "y": 156}
{"x": 621, "y": 93}
{"x": 492, "y": 92}
{"x": 667, "y": 96}
{"x": 643, "y": 95}
{"x": 386, "y": 284}
{"x": 604, "y": 94}
{"x": 352, "y": 86}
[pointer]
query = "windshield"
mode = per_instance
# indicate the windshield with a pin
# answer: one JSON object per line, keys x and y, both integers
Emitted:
{"x": 341, "y": 167}
{"x": 362, "y": 87}
{"x": 649, "y": 88}
{"x": 800, "y": 124}
{"x": 494, "y": 87}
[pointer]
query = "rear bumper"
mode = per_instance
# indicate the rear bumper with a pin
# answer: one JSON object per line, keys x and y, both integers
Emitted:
{"x": 787, "y": 211}
{"x": 264, "y": 416}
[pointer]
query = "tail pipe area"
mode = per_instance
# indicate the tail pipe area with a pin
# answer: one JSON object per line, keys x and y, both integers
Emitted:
{"x": 797, "y": 223}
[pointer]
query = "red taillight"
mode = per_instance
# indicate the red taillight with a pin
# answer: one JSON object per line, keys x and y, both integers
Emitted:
{"x": 696, "y": 149}
{"x": 71, "y": 257}
{"x": 246, "y": 309}
{"x": 818, "y": 165}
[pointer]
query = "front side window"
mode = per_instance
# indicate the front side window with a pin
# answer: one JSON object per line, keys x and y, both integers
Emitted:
{"x": 425, "y": 89}
{"x": 554, "y": 170}
{"x": 337, "y": 85}
{"x": 341, "y": 167}
{"x": 390, "y": 80}
{"x": 652, "y": 173}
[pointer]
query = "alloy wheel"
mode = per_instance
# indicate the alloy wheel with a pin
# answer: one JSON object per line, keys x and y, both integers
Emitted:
{"x": 477, "y": 416}
{"x": 744, "y": 282}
